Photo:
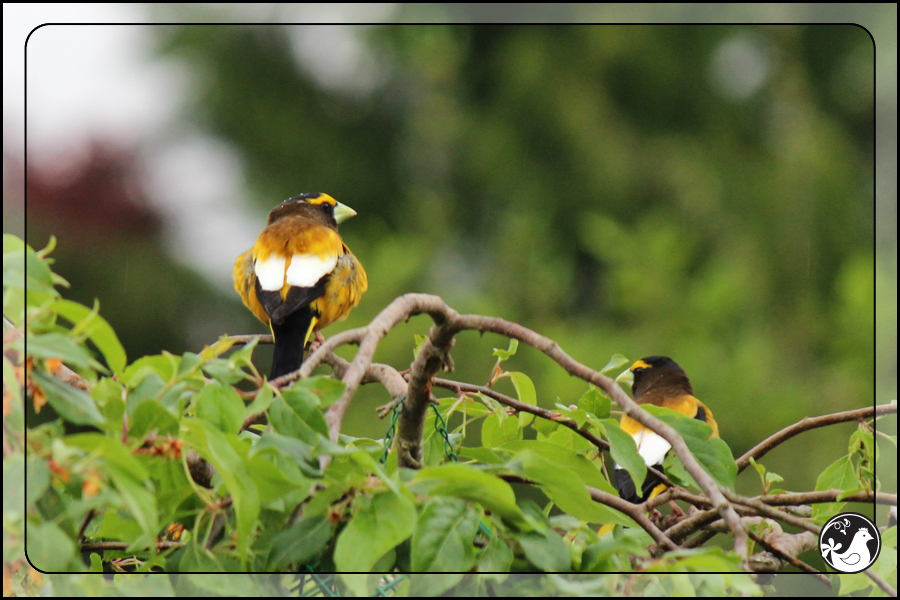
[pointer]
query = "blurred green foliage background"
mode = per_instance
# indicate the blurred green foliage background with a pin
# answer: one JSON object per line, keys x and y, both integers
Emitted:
{"x": 702, "y": 192}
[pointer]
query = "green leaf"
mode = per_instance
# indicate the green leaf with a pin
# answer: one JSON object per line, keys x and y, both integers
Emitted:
{"x": 624, "y": 451}
{"x": 171, "y": 483}
{"x": 443, "y": 543}
{"x": 482, "y": 455}
{"x": 48, "y": 548}
{"x": 571, "y": 460}
{"x": 140, "y": 501}
{"x": 223, "y": 371}
{"x": 565, "y": 490}
{"x": 497, "y": 430}
{"x": 217, "y": 348}
{"x": 326, "y": 390}
{"x": 164, "y": 366}
{"x": 306, "y": 405}
{"x": 272, "y": 482}
{"x": 128, "y": 475}
{"x": 853, "y": 582}
{"x": 220, "y": 406}
{"x": 14, "y": 505}
{"x": 96, "y": 328}
{"x": 38, "y": 275}
{"x": 506, "y": 354}
{"x": 244, "y": 356}
{"x": 546, "y": 550}
{"x": 111, "y": 451}
{"x": 712, "y": 453}
{"x": 110, "y": 398}
{"x": 526, "y": 393}
{"x": 614, "y": 552}
{"x": 496, "y": 557}
{"x": 524, "y": 387}
{"x": 119, "y": 528}
{"x": 151, "y": 415}
{"x": 595, "y": 403}
{"x": 300, "y": 544}
{"x": 285, "y": 421}
{"x": 443, "y": 538}
{"x": 261, "y": 402}
{"x": 58, "y": 345}
{"x": 615, "y": 363}
{"x": 72, "y": 404}
{"x": 37, "y": 480}
{"x": 712, "y": 559}
{"x": 12, "y": 243}
{"x": 214, "y": 446}
{"x": 380, "y": 523}
{"x": 292, "y": 448}
{"x": 577, "y": 415}
{"x": 839, "y": 475}
{"x": 468, "y": 483}
{"x": 11, "y": 382}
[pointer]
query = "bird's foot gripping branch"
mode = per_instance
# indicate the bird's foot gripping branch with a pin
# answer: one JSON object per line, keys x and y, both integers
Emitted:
{"x": 171, "y": 467}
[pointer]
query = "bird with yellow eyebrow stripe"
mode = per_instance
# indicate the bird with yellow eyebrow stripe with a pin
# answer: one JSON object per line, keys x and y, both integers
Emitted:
{"x": 300, "y": 277}
{"x": 658, "y": 380}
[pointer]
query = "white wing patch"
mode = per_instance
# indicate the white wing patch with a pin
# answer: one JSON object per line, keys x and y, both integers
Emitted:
{"x": 307, "y": 269}
{"x": 651, "y": 446}
{"x": 270, "y": 272}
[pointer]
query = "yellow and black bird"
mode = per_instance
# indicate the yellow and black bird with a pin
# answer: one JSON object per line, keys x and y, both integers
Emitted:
{"x": 658, "y": 380}
{"x": 300, "y": 277}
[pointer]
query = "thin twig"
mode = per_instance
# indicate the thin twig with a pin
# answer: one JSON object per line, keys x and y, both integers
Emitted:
{"x": 459, "y": 386}
{"x": 808, "y": 423}
{"x": 90, "y": 547}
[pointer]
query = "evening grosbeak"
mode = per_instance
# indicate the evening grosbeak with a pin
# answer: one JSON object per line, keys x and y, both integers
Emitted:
{"x": 658, "y": 380}
{"x": 300, "y": 277}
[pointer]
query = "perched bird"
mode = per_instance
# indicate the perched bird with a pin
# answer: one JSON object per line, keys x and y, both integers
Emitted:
{"x": 300, "y": 277}
{"x": 658, "y": 380}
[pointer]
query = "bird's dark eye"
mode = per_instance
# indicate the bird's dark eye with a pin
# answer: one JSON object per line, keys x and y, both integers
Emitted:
{"x": 328, "y": 207}
{"x": 639, "y": 370}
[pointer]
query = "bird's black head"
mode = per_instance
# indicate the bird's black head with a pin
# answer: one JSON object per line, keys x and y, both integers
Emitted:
{"x": 313, "y": 205}
{"x": 658, "y": 372}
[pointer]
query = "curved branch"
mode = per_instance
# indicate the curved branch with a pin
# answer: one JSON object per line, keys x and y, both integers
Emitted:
{"x": 762, "y": 448}
{"x": 397, "y": 311}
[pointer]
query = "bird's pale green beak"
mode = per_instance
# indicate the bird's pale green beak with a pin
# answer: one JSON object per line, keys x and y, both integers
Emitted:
{"x": 342, "y": 212}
